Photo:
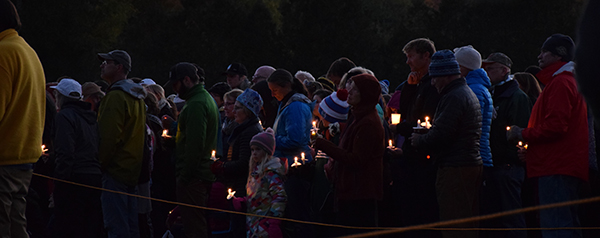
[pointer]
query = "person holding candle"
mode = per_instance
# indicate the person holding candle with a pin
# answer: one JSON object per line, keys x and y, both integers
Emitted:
{"x": 453, "y": 143}
{"x": 232, "y": 170}
{"x": 413, "y": 174}
{"x": 265, "y": 193}
{"x": 512, "y": 107}
{"x": 292, "y": 132}
{"x": 196, "y": 138}
{"x": 358, "y": 171}
{"x": 557, "y": 137}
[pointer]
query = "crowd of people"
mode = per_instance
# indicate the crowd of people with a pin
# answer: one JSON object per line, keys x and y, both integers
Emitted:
{"x": 472, "y": 138}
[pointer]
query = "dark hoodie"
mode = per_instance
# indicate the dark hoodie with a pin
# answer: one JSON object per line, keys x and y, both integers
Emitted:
{"x": 76, "y": 140}
{"x": 358, "y": 171}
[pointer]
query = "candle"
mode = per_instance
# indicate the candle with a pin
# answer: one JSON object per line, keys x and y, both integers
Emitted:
{"x": 212, "y": 155}
{"x": 418, "y": 123}
{"x": 303, "y": 158}
{"x": 296, "y": 163}
{"x": 525, "y": 146}
{"x": 396, "y": 118}
{"x": 390, "y": 143}
{"x": 44, "y": 150}
{"x": 260, "y": 122}
{"x": 520, "y": 143}
{"x": 230, "y": 194}
{"x": 427, "y": 123}
{"x": 428, "y": 157}
{"x": 314, "y": 124}
{"x": 508, "y": 128}
{"x": 165, "y": 134}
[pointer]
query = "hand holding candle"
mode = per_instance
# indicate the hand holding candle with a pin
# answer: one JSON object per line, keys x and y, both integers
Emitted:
{"x": 230, "y": 194}
{"x": 165, "y": 134}
{"x": 296, "y": 163}
{"x": 213, "y": 156}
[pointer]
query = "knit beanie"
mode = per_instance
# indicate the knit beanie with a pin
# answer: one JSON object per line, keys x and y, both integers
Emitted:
{"x": 265, "y": 140}
{"x": 334, "y": 108}
{"x": 443, "y": 63}
{"x": 385, "y": 86}
{"x": 468, "y": 57}
{"x": 561, "y": 45}
{"x": 251, "y": 100}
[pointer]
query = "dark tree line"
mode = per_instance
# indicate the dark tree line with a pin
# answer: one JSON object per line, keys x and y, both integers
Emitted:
{"x": 292, "y": 34}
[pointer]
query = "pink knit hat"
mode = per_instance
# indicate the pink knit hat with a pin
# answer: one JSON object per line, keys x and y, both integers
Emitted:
{"x": 265, "y": 140}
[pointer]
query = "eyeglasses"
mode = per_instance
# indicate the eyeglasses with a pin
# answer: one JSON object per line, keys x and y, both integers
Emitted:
{"x": 108, "y": 62}
{"x": 237, "y": 108}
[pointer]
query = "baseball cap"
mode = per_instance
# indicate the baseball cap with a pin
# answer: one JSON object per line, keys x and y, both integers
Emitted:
{"x": 497, "y": 58}
{"x": 69, "y": 88}
{"x": 90, "y": 88}
{"x": 182, "y": 69}
{"x": 121, "y": 56}
{"x": 236, "y": 68}
{"x": 147, "y": 81}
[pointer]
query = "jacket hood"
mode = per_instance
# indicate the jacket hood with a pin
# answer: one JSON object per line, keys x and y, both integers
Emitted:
{"x": 546, "y": 75}
{"x": 131, "y": 88}
{"x": 369, "y": 89}
{"x": 479, "y": 76}
{"x": 82, "y": 108}
{"x": 296, "y": 97}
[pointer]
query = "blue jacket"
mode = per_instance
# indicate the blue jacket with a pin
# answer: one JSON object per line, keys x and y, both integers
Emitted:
{"x": 292, "y": 128}
{"x": 479, "y": 82}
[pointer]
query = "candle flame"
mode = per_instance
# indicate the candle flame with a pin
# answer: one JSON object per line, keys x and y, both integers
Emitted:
{"x": 508, "y": 128}
{"x": 213, "y": 153}
{"x": 390, "y": 142}
{"x": 428, "y": 157}
{"x": 44, "y": 150}
{"x": 520, "y": 143}
{"x": 525, "y": 146}
{"x": 314, "y": 123}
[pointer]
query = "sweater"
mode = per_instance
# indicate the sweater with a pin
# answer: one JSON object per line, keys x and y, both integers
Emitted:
{"x": 22, "y": 101}
{"x": 197, "y": 130}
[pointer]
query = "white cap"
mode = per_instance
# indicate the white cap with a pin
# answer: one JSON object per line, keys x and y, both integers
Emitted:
{"x": 147, "y": 81}
{"x": 69, "y": 88}
{"x": 304, "y": 76}
{"x": 468, "y": 57}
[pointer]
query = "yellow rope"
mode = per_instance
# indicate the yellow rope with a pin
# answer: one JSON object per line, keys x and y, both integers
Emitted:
{"x": 382, "y": 230}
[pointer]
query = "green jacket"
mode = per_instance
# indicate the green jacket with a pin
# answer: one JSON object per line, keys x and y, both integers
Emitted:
{"x": 122, "y": 123}
{"x": 197, "y": 130}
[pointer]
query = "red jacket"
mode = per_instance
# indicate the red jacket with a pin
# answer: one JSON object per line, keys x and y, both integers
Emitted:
{"x": 557, "y": 133}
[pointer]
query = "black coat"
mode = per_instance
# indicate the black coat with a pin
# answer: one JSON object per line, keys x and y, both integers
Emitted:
{"x": 453, "y": 140}
{"x": 236, "y": 166}
{"x": 76, "y": 140}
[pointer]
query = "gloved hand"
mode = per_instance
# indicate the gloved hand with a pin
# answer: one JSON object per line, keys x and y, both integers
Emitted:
{"x": 514, "y": 134}
{"x": 217, "y": 167}
{"x": 239, "y": 204}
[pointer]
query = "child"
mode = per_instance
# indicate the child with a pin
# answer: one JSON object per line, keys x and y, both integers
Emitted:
{"x": 265, "y": 193}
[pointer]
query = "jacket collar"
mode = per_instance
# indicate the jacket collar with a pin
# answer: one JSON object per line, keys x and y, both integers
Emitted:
{"x": 546, "y": 75}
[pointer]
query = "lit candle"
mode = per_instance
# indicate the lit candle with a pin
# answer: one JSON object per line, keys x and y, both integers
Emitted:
{"x": 302, "y": 157}
{"x": 314, "y": 124}
{"x": 418, "y": 123}
{"x": 508, "y": 128}
{"x": 525, "y": 146}
{"x": 390, "y": 143}
{"x": 296, "y": 163}
{"x": 165, "y": 135}
{"x": 230, "y": 194}
{"x": 260, "y": 122}
{"x": 427, "y": 123}
{"x": 212, "y": 155}
{"x": 44, "y": 150}
{"x": 396, "y": 118}
{"x": 520, "y": 143}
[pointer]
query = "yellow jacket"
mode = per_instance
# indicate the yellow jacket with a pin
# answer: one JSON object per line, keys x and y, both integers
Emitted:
{"x": 22, "y": 101}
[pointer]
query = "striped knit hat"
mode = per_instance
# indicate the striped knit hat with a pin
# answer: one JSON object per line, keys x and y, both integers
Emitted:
{"x": 265, "y": 140}
{"x": 334, "y": 108}
{"x": 443, "y": 63}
